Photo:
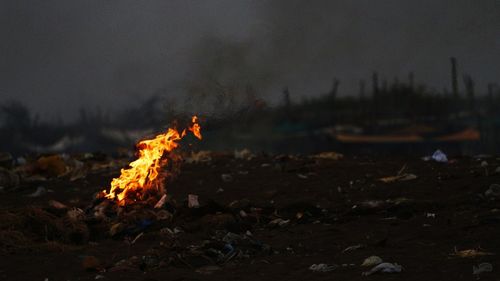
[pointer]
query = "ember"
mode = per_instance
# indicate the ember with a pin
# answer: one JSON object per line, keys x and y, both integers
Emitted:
{"x": 145, "y": 175}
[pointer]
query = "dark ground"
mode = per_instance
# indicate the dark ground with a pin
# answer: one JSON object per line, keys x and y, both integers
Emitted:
{"x": 316, "y": 195}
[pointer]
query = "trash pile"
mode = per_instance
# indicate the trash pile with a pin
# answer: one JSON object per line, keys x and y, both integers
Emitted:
{"x": 15, "y": 173}
{"x": 327, "y": 214}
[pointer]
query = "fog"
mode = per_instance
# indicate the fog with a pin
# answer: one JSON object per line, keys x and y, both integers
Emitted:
{"x": 59, "y": 56}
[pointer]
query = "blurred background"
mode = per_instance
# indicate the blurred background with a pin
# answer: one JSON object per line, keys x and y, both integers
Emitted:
{"x": 377, "y": 77}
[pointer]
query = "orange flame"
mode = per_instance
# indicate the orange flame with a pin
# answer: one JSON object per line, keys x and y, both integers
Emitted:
{"x": 144, "y": 175}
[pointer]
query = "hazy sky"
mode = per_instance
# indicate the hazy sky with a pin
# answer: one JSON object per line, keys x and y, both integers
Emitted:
{"x": 59, "y": 56}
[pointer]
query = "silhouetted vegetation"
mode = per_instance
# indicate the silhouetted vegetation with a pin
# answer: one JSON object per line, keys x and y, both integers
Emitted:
{"x": 308, "y": 124}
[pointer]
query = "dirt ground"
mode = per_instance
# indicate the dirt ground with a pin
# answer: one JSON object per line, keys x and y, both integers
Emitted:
{"x": 270, "y": 219}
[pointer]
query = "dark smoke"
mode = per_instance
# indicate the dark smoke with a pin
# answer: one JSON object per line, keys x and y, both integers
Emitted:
{"x": 58, "y": 56}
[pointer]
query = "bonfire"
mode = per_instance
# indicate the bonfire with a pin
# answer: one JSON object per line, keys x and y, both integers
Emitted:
{"x": 145, "y": 176}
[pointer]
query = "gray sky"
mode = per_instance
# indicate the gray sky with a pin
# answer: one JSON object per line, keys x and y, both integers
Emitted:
{"x": 59, "y": 56}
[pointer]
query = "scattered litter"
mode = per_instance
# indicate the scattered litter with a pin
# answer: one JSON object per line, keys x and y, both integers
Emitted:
{"x": 161, "y": 202}
{"x": 471, "y": 253}
{"x": 323, "y": 267}
{"x": 245, "y": 154}
{"x": 76, "y": 214}
{"x": 384, "y": 267}
{"x": 352, "y": 248}
{"x": 493, "y": 191}
{"x": 209, "y": 269}
{"x": 57, "y": 205}
{"x": 482, "y": 268}
{"x": 91, "y": 263}
{"x": 302, "y": 176}
{"x": 167, "y": 230}
{"x": 100, "y": 210}
{"x": 116, "y": 228}
{"x": 193, "y": 201}
{"x": 39, "y": 192}
{"x": 226, "y": 177}
{"x": 279, "y": 222}
{"x": 243, "y": 214}
{"x": 53, "y": 165}
{"x": 220, "y": 190}
{"x": 482, "y": 156}
{"x": 439, "y": 156}
{"x": 6, "y": 159}
{"x": 331, "y": 155}
{"x": 403, "y": 177}
{"x": 98, "y": 276}
{"x": 202, "y": 156}
{"x": 137, "y": 237}
{"x": 372, "y": 261}
{"x": 8, "y": 178}
{"x": 163, "y": 215}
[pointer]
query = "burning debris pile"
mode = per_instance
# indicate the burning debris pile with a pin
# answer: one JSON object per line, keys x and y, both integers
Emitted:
{"x": 146, "y": 176}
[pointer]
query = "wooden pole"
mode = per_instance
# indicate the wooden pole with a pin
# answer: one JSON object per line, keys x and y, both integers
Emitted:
{"x": 454, "y": 80}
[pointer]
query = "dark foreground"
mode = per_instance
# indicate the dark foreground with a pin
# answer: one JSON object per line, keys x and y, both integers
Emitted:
{"x": 283, "y": 214}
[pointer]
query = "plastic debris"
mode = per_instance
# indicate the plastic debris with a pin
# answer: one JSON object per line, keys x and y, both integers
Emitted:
{"x": 137, "y": 237}
{"x": 202, "y": 156}
{"x": 245, "y": 154}
{"x": 53, "y": 165}
{"x": 331, "y": 155}
{"x": 208, "y": 269}
{"x": 385, "y": 267}
{"x": 91, "y": 263}
{"x": 116, "y": 228}
{"x": 161, "y": 202}
{"x": 78, "y": 173}
{"x": 76, "y": 214}
{"x": 482, "y": 268}
{"x": 403, "y": 177}
{"x": 6, "y": 160}
{"x": 352, "y": 248}
{"x": 193, "y": 201}
{"x": 243, "y": 214}
{"x": 279, "y": 222}
{"x": 226, "y": 177}
{"x": 163, "y": 215}
{"x": 302, "y": 176}
{"x": 493, "y": 191}
{"x": 439, "y": 156}
{"x": 372, "y": 261}
{"x": 143, "y": 224}
{"x": 323, "y": 267}
{"x": 8, "y": 178}
{"x": 471, "y": 253}
{"x": 38, "y": 192}
{"x": 57, "y": 205}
